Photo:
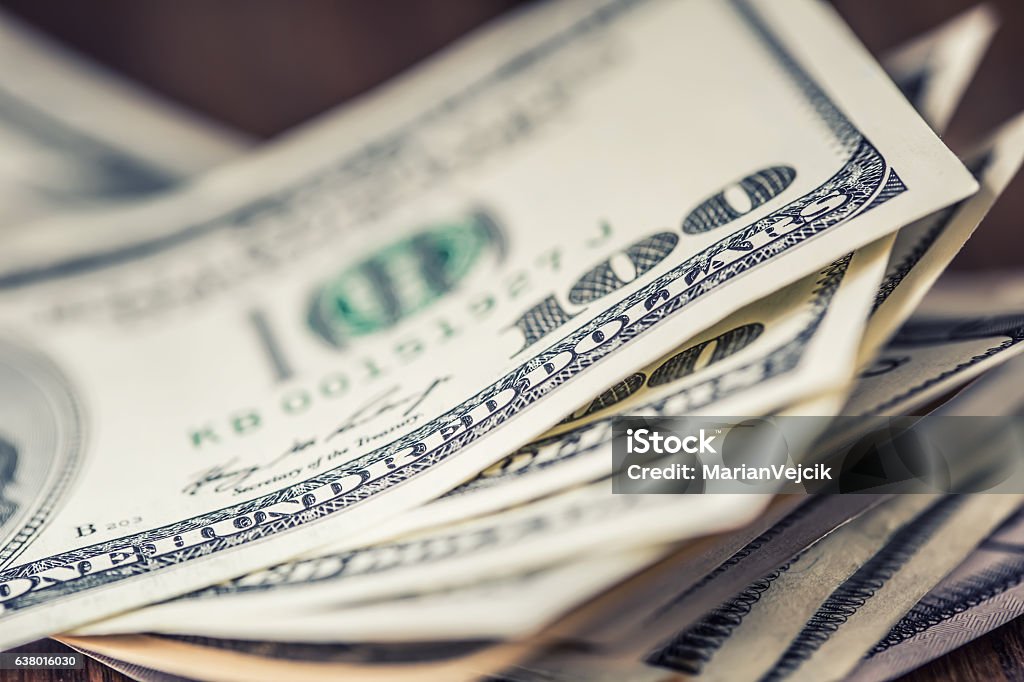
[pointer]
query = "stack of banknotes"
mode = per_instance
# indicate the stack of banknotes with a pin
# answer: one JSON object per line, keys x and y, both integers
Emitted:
{"x": 342, "y": 406}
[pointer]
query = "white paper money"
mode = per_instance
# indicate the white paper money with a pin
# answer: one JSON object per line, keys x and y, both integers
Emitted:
{"x": 801, "y": 341}
{"x": 947, "y": 343}
{"x": 995, "y": 393}
{"x": 611, "y": 637}
{"x": 863, "y": 609}
{"x": 506, "y": 607}
{"x": 525, "y": 538}
{"x": 923, "y": 250}
{"x": 503, "y": 607}
{"x": 984, "y": 592}
{"x": 75, "y": 135}
{"x": 744, "y": 636}
{"x": 790, "y": 344}
{"x": 306, "y": 595}
{"x": 775, "y": 352}
{"x": 207, "y": 367}
{"x": 674, "y": 599}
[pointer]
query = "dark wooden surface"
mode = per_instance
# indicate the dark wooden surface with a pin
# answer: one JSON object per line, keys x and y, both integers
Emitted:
{"x": 266, "y": 65}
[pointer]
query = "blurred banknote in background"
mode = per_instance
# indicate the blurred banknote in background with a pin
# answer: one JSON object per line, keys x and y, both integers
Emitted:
{"x": 76, "y": 136}
{"x": 343, "y": 404}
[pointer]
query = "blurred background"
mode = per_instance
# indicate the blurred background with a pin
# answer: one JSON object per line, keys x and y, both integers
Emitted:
{"x": 264, "y": 66}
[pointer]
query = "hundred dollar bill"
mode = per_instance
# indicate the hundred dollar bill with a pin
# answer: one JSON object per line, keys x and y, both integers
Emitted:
{"x": 995, "y": 393}
{"x": 983, "y": 593}
{"x": 935, "y": 70}
{"x": 923, "y": 250}
{"x": 684, "y": 602}
{"x": 866, "y": 606}
{"x": 75, "y": 135}
{"x": 512, "y": 607}
{"x": 470, "y": 611}
{"x": 932, "y": 71}
{"x": 942, "y": 347}
{"x": 791, "y": 343}
{"x": 756, "y": 361}
{"x": 505, "y": 607}
{"x": 617, "y": 630}
{"x": 309, "y": 597}
{"x": 472, "y": 617}
{"x": 743, "y": 637}
{"x": 541, "y": 533}
{"x": 372, "y": 311}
